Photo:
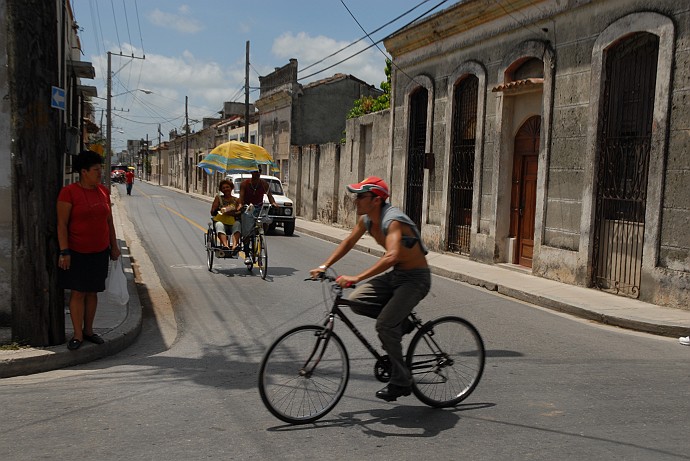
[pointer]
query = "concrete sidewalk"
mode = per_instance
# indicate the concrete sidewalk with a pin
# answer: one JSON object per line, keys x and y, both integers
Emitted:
{"x": 118, "y": 325}
{"x": 517, "y": 283}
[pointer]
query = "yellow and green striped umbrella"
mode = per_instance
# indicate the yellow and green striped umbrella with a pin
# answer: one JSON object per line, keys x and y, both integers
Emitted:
{"x": 236, "y": 157}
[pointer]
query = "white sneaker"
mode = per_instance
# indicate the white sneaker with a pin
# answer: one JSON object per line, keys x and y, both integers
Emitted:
{"x": 684, "y": 340}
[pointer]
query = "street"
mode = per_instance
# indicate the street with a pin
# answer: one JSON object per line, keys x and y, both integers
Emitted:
{"x": 554, "y": 387}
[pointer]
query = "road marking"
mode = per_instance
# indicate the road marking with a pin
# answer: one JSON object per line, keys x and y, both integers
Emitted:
{"x": 185, "y": 218}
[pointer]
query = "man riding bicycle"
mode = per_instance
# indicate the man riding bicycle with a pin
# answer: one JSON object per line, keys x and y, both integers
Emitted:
{"x": 392, "y": 294}
{"x": 252, "y": 191}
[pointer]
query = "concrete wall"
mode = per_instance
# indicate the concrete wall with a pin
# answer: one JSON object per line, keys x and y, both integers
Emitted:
{"x": 321, "y": 110}
{"x": 320, "y": 173}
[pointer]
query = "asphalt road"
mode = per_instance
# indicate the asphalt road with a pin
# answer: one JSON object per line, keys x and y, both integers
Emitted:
{"x": 554, "y": 387}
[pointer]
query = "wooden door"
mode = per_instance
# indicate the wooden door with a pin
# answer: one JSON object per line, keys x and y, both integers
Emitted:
{"x": 524, "y": 190}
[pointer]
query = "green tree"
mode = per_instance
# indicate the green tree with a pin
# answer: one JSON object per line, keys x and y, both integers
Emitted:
{"x": 367, "y": 104}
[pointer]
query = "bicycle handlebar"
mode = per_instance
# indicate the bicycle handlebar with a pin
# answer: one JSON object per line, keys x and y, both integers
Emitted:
{"x": 328, "y": 278}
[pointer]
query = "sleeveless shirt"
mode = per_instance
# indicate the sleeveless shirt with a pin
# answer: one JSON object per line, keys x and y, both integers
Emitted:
{"x": 389, "y": 214}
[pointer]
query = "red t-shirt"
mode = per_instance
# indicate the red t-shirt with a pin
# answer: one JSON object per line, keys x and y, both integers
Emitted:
{"x": 129, "y": 177}
{"x": 254, "y": 195}
{"x": 88, "y": 220}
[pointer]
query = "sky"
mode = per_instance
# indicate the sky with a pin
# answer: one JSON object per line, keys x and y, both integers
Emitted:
{"x": 197, "y": 49}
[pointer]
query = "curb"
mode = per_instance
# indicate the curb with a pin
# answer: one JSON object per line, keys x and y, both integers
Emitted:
{"x": 659, "y": 328}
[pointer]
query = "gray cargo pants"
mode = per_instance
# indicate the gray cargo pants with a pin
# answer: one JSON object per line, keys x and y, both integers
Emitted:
{"x": 394, "y": 294}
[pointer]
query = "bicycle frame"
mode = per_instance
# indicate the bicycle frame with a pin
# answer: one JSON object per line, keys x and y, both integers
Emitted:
{"x": 329, "y": 324}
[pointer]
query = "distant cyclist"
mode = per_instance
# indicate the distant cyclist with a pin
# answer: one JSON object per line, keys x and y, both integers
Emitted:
{"x": 394, "y": 293}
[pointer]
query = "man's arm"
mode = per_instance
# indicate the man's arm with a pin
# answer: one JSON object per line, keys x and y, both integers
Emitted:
{"x": 267, "y": 188}
{"x": 345, "y": 246}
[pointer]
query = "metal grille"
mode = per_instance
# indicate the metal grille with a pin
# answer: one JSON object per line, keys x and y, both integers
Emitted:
{"x": 415, "y": 158}
{"x": 624, "y": 165}
{"x": 462, "y": 165}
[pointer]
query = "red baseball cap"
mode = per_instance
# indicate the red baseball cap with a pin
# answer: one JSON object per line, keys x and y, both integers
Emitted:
{"x": 372, "y": 184}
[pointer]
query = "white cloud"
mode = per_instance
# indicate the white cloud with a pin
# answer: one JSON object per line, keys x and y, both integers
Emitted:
{"x": 368, "y": 65}
{"x": 179, "y": 21}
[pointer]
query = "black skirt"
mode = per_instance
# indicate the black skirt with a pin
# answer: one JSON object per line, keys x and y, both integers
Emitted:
{"x": 87, "y": 272}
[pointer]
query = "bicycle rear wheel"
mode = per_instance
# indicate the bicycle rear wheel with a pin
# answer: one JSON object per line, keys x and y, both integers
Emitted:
{"x": 446, "y": 358}
{"x": 261, "y": 251}
{"x": 304, "y": 374}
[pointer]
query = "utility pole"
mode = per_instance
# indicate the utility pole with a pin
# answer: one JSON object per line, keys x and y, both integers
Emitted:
{"x": 246, "y": 97}
{"x": 109, "y": 123}
{"x": 109, "y": 96}
{"x": 186, "y": 144}
{"x": 147, "y": 165}
{"x": 160, "y": 156}
{"x": 34, "y": 173}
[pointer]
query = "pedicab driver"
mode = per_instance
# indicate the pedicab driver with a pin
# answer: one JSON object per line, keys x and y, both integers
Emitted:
{"x": 252, "y": 192}
{"x": 397, "y": 291}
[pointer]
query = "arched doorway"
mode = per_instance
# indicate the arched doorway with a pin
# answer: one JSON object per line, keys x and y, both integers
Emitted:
{"x": 523, "y": 197}
{"x": 415, "y": 155}
{"x": 623, "y": 164}
{"x": 462, "y": 164}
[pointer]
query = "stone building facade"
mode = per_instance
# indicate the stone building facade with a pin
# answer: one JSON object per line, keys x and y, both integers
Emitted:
{"x": 292, "y": 114}
{"x": 552, "y": 135}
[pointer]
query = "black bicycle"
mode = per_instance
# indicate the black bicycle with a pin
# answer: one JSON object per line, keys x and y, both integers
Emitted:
{"x": 305, "y": 371}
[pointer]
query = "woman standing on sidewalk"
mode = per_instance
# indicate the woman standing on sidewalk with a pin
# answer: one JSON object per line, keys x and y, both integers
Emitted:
{"x": 86, "y": 235}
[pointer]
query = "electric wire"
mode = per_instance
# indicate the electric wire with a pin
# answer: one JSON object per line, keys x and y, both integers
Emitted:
{"x": 141, "y": 37}
{"x": 117, "y": 29}
{"x": 129, "y": 35}
{"x": 367, "y": 35}
{"x": 375, "y": 43}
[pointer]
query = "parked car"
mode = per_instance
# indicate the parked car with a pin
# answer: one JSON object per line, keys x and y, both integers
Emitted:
{"x": 284, "y": 214}
{"x": 117, "y": 176}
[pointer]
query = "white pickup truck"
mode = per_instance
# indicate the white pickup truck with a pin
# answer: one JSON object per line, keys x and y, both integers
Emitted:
{"x": 284, "y": 214}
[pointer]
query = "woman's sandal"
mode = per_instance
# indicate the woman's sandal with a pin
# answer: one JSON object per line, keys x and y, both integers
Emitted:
{"x": 73, "y": 344}
{"x": 94, "y": 338}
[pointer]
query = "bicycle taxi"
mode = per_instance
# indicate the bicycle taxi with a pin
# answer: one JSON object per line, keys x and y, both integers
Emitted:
{"x": 252, "y": 241}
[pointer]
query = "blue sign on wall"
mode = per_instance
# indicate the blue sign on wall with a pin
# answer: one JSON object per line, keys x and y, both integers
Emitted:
{"x": 57, "y": 98}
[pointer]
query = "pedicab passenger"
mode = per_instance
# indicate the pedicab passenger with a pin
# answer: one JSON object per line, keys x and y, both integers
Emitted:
{"x": 226, "y": 211}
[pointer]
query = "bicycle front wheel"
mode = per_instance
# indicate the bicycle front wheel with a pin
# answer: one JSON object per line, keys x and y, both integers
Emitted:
{"x": 304, "y": 374}
{"x": 446, "y": 358}
{"x": 261, "y": 251}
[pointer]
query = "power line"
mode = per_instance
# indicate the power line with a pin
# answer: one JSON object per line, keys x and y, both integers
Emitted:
{"x": 365, "y": 36}
{"x": 141, "y": 37}
{"x": 374, "y": 43}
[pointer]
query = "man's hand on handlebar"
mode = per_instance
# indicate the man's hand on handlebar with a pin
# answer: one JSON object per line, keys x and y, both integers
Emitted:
{"x": 317, "y": 273}
{"x": 346, "y": 281}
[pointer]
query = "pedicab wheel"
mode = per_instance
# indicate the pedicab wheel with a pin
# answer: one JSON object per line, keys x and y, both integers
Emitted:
{"x": 209, "y": 251}
{"x": 261, "y": 251}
